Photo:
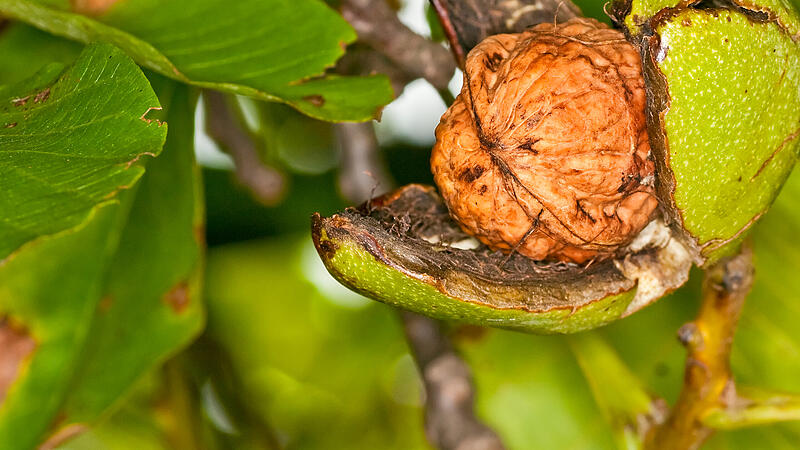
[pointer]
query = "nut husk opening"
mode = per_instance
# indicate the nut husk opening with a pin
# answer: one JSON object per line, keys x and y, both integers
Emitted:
{"x": 411, "y": 232}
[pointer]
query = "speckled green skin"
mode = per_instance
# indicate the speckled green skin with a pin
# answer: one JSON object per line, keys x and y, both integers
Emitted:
{"x": 727, "y": 101}
{"x": 355, "y": 267}
{"x": 724, "y": 118}
{"x": 781, "y": 10}
{"x": 733, "y": 120}
{"x": 642, "y": 10}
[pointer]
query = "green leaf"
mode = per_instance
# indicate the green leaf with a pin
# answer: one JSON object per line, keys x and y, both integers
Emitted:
{"x": 273, "y": 50}
{"x": 755, "y": 407}
{"x": 72, "y": 141}
{"x": 50, "y": 289}
{"x": 151, "y": 301}
{"x": 733, "y": 119}
{"x": 532, "y": 392}
{"x": 106, "y": 301}
{"x": 766, "y": 352}
{"x": 26, "y": 49}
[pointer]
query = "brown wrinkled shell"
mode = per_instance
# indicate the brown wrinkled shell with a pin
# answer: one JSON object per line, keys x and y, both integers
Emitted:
{"x": 545, "y": 150}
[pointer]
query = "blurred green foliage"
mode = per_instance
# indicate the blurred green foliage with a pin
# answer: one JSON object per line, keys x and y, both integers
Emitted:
{"x": 289, "y": 358}
{"x": 329, "y": 369}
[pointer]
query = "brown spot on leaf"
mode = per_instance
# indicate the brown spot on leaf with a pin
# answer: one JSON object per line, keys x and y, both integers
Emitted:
{"x": 178, "y": 297}
{"x": 137, "y": 157}
{"x": 200, "y": 234}
{"x": 16, "y": 345}
{"x": 316, "y": 100}
{"x": 11, "y": 125}
{"x": 42, "y": 97}
{"x": 105, "y": 303}
{"x": 63, "y": 435}
{"x": 379, "y": 112}
{"x": 92, "y": 7}
{"x": 21, "y": 101}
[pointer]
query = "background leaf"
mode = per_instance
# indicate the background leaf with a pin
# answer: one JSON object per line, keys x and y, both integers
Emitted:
{"x": 151, "y": 300}
{"x": 51, "y": 290}
{"x": 348, "y": 365}
{"x": 72, "y": 141}
{"x": 25, "y": 50}
{"x": 238, "y": 51}
{"x": 109, "y": 299}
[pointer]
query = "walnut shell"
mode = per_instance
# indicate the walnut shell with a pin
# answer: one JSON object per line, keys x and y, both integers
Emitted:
{"x": 545, "y": 150}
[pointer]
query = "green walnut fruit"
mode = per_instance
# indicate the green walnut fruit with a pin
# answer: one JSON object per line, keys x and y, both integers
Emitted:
{"x": 721, "y": 83}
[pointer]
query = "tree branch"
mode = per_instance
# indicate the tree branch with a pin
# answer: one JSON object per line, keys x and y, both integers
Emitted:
{"x": 377, "y": 25}
{"x": 468, "y": 22}
{"x": 362, "y": 174}
{"x": 708, "y": 383}
{"x": 449, "y": 416}
{"x": 225, "y": 128}
{"x": 450, "y": 421}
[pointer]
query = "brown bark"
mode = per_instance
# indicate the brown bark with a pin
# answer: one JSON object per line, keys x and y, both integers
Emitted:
{"x": 468, "y": 22}
{"x": 450, "y": 421}
{"x": 378, "y": 26}
{"x": 222, "y": 125}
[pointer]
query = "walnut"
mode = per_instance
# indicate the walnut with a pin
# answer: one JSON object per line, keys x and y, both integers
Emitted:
{"x": 545, "y": 150}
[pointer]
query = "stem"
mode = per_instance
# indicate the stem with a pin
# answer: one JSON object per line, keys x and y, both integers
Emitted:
{"x": 178, "y": 411}
{"x": 467, "y": 22}
{"x": 755, "y": 407}
{"x": 449, "y": 32}
{"x": 708, "y": 384}
{"x": 222, "y": 125}
{"x": 362, "y": 173}
{"x": 450, "y": 421}
{"x": 377, "y": 25}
